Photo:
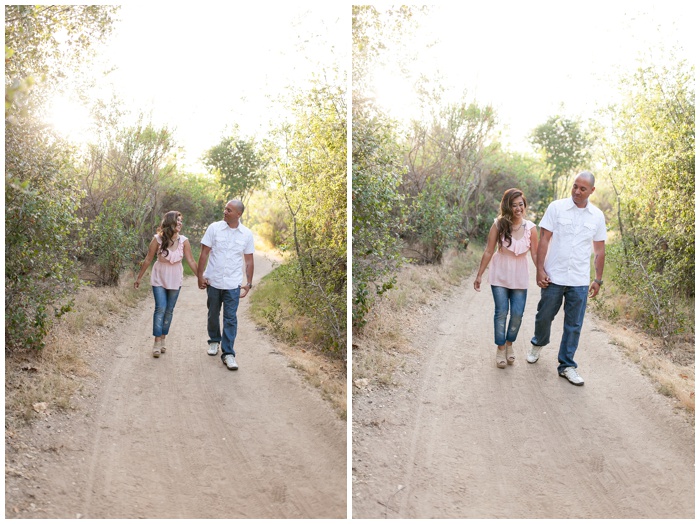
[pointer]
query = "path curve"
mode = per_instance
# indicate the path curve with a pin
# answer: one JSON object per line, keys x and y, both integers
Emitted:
{"x": 181, "y": 436}
{"x": 461, "y": 438}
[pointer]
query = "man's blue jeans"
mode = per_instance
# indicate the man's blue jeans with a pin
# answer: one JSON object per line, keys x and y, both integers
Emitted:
{"x": 163, "y": 314}
{"x": 229, "y": 298}
{"x": 551, "y": 297}
{"x": 504, "y": 299}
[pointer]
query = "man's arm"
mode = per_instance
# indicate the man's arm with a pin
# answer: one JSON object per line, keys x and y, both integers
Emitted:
{"x": 598, "y": 265}
{"x": 542, "y": 247}
{"x": 249, "y": 270}
{"x": 201, "y": 266}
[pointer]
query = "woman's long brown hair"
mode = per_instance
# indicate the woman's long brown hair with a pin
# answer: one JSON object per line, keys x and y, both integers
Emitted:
{"x": 504, "y": 222}
{"x": 166, "y": 230}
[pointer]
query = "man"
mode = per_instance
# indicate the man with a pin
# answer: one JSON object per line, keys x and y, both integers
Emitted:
{"x": 568, "y": 229}
{"x": 230, "y": 244}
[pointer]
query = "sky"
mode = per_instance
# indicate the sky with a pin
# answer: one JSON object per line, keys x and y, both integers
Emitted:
{"x": 200, "y": 68}
{"x": 534, "y": 59}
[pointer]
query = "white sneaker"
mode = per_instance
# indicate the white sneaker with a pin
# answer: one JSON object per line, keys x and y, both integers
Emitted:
{"x": 534, "y": 354}
{"x": 572, "y": 376}
{"x": 230, "y": 362}
{"x": 213, "y": 348}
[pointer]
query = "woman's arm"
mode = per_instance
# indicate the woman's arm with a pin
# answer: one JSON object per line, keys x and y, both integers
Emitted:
{"x": 486, "y": 257}
{"x": 533, "y": 245}
{"x": 152, "y": 248}
{"x": 189, "y": 257}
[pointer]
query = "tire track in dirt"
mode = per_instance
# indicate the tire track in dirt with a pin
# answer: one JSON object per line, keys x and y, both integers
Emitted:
{"x": 461, "y": 438}
{"x": 181, "y": 436}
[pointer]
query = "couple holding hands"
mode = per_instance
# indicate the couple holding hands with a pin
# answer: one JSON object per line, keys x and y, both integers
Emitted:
{"x": 569, "y": 230}
{"x": 227, "y": 251}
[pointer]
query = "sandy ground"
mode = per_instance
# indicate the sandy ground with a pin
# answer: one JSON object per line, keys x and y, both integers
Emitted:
{"x": 181, "y": 436}
{"x": 461, "y": 438}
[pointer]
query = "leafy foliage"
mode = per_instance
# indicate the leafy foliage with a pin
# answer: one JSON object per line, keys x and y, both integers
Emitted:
{"x": 42, "y": 233}
{"x": 564, "y": 147}
{"x": 44, "y": 42}
{"x": 196, "y": 198}
{"x": 308, "y": 159}
{"x": 236, "y": 163}
{"x": 445, "y": 169}
{"x": 650, "y": 150}
{"x": 378, "y": 211}
{"x": 123, "y": 181}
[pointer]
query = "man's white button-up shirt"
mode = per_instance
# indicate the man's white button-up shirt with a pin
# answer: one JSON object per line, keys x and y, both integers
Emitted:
{"x": 568, "y": 261}
{"x": 228, "y": 245}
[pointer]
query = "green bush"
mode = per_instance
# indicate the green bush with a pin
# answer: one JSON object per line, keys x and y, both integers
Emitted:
{"x": 434, "y": 220}
{"x": 42, "y": 233}
{"x": 111, "y": 244}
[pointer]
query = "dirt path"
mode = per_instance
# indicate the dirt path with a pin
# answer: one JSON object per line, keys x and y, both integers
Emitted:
{"x": 462, "y": 438}
{"x": 183, "y": 437}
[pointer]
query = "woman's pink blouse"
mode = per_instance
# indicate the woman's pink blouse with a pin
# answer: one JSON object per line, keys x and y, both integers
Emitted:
{"x": 167, "y": 271}
{"x": 509, "y": 266}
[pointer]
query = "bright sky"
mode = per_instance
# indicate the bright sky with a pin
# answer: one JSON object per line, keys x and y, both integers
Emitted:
{"x": 529, "y": 58}
{"x": 202, "y": 67}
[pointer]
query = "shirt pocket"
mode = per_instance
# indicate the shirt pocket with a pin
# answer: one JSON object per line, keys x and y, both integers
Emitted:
{"x": 238, "y": 245}
{"x": 588, "y": 230}
{"x": 565, "y": 226}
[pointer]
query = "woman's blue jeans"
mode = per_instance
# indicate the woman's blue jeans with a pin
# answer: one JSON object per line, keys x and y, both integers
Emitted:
{"x": 163, "y": 314}
{"x": 551, "y": 297}
{"x": 229, "y": 298}
{"x": 513, "y": 299}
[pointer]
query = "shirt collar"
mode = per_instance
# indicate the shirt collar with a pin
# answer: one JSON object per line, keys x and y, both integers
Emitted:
{"x": 572, "y": 205}
{"x": 224, "y": 225}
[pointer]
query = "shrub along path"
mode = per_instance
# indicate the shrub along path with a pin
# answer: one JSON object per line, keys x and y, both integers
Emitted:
{"x": 181, "y": 436}
{"x": 461, "y": 438}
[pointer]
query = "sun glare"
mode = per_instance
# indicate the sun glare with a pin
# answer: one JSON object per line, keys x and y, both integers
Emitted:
{"x": 70, "y": 119}
{"x": 396, "y": 95}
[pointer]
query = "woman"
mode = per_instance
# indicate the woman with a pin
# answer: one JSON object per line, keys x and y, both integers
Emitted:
{"x": 166, "y": 275}
{"x": 509, "y": 273}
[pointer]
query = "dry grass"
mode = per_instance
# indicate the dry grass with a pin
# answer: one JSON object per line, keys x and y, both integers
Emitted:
{"x": 36, "y": 382}
{"x": 299, "y": 341}
{"x": 379, "y": 351}
{"x": 670, "y": 363}
{"x": 671, "y": 367}
{"x": 326, "y": 375}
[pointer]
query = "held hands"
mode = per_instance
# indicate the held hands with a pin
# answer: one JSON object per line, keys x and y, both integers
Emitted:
{"x": 203, "y": 283}
{"x": 543, "y": 280}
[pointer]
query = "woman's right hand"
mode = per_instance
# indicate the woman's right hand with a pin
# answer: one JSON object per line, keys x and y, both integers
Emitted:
{"x": 137, "y": 283}
{"x": 477, "y": 283}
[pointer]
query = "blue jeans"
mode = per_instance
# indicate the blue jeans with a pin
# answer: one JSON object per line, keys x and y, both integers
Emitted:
{"x": 229, "y": 299}
{"x": 502, "y": 297}
{"x": 551, "y": 297}
{"x": 163, "y": 314}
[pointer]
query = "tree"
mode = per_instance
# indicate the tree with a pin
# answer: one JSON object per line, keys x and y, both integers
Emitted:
{"x": 308, "y": 158}
{"x": 377, "y": 208}
{"x": 445, "y": 169}
{"x": 236, "y": 163}
{"x": 564, "y": 147}
{"x": 650, "y": 154}
{"x": 124, "y": 182}
{"x": 43, "y": 44}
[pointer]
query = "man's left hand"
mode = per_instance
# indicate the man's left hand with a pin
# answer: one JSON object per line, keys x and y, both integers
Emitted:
{"x": 593, "y": 289}
{"x": 244, "y": 290}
